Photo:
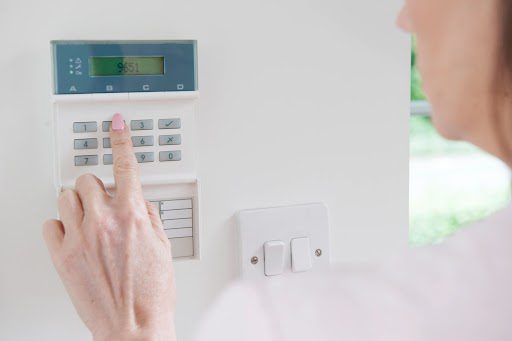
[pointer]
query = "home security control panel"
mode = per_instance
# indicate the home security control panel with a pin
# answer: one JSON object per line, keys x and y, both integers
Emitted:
{"x": 153, "y": 84}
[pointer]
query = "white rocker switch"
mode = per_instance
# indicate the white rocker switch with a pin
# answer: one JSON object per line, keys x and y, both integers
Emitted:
{"x": 301, "y": 254}
{"x": 274, "y": 257}
{"x": 283, "y": 241}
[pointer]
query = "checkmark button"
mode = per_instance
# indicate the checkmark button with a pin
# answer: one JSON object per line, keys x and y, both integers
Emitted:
{"x": 169, "y": 123}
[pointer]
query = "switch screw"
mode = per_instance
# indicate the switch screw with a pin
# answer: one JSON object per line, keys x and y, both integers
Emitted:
{"x": 318, "y": 252}
{"x": 254, "y": 260}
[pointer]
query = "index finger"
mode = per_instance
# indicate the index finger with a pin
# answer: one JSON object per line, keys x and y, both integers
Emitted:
{"x": 126, "y": 169}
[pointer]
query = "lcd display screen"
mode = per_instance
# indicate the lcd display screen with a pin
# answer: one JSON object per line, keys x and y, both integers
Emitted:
{"x": 126, "y": 66}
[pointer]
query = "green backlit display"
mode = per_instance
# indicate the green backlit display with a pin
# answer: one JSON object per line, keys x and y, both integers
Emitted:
{"x": 126, "y": 66}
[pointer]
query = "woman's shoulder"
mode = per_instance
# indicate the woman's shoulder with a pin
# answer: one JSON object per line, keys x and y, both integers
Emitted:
{"x": 459, "y": 289}
{"x": 476, "y": 254}
{"x": 463, "y": 284}
{"x": 483, "y": 241}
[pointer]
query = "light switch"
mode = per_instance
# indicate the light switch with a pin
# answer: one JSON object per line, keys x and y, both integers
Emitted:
{"x": 274, "y": 257}
{"x": 301, "y": 254}
{"x": 308, "y": 223}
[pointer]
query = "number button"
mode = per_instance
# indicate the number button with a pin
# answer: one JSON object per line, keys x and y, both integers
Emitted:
{"x": 108, "y": 159}
{"x": 169, "y": 140}
{"x": 85, "y": 127}
{"x": 174, "y": 155}
{"x": 145, "y": 157}
{"x": 86, "y": 144}
{"x": 86, "y": 160}
{"x": 142, "y": 141}
{"x": 141, "y": 124}
{"x": 169, "y": 123}
{"x": 106, "y": 143}
{"x": 105, "y": 126}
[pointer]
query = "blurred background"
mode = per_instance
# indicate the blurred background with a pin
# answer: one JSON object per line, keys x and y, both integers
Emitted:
{"x": 451, "y": 183}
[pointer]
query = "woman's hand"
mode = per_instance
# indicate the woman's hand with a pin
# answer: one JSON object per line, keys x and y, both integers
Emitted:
{"x": 112, "y": 253}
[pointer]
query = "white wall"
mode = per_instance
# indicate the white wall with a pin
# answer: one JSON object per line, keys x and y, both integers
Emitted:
{"x": 300, "y": 101}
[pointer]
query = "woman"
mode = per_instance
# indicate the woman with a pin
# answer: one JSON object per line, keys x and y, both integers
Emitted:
{"x": 111, "y": 252}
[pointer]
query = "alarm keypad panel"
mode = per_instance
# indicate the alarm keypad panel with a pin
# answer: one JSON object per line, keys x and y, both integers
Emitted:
{"x": 165, "y": 154}
{"x": 153, "y": 85}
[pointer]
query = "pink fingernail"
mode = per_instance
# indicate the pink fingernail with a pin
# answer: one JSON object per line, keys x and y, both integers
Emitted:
{"x": 117, "y": 122}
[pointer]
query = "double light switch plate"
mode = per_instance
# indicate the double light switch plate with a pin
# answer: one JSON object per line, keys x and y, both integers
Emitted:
{"x": 283, "y": 241}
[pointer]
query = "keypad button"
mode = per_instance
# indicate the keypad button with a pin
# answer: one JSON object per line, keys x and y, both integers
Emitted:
{"x": 177, "y": 223}
{"x": 106, "y": 142}
{"x": 176, "y": 214}
{"x": 85, "y": 127}
{"x": 145, "y": 157}
{"x": 141, "y": 124}
{"x": 169, "y": 140}
{"x": 178, "y": 204}
{"x": 108, "y": 159}
{"x": 86, "y": 143}
{"x": 105, "y": 126}
{"x": 86, "y": 160}
{"x": 178, "y": 233}
{"x": 174, "y": 155}
{"x": 169, "y": 123}
{"x": 142, "y": 141}
{"x": 182, "y": 247}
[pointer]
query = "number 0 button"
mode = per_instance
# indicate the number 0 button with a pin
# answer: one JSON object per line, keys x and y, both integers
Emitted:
{"x": 174, "y": 155}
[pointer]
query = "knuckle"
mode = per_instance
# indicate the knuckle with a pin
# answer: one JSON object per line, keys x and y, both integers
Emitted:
{"x": 48, "y": 228}
{"x": 105, "y": 227}
{"x": 65, "y": 196}
{"x": 121, "y": 141}
{"x": 84, "y": 179}
{"x": 166, "y": 241}
{"x": 107, "y": 223}
{"x": 132, "y": 216}
{"x": 124, "y": 164}
{"x": 151, "y": 207}
{"x": 102, "y": 221}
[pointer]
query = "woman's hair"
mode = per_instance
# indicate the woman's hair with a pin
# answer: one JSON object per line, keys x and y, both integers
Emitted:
{"x": 506, "y": 38}
{"x": 504, "y": 76}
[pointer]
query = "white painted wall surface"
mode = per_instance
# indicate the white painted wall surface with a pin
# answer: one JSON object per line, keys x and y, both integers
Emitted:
{"x": 301, "y": 101}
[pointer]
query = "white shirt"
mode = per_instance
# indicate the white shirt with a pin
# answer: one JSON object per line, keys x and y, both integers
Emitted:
{"x": 459, "y": 290}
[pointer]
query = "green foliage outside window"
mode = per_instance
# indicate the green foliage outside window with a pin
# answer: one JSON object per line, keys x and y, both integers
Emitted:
{"x": 416, "y": 91}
